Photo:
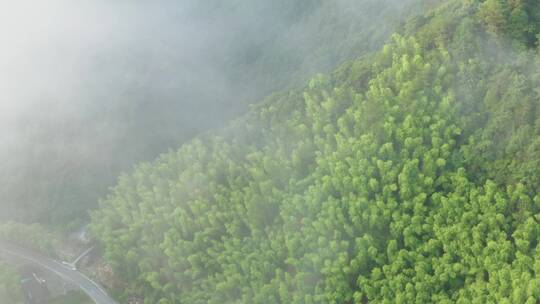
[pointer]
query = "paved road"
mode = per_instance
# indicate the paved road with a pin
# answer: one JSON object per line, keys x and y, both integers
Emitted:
{"x": 92, "y": 289}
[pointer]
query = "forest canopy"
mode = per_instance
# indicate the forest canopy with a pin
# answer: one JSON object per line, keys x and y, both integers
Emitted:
{"x": 312, "y": 151}
{"x": 408, "y": 175}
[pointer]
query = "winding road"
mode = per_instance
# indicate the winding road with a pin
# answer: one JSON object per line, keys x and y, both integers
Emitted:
{"x": 92, "y": 289}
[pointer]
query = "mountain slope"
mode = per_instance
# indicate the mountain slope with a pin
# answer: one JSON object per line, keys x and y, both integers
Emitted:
{"x": 407, "y": 176}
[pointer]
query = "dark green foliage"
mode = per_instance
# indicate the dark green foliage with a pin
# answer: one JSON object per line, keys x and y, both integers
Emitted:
{"x": 517, "y": 19}
{"x": 407, "y": 176}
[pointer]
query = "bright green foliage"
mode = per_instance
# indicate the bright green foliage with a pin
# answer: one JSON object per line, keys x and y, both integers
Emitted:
{"x": 10, "y": 286}
{"x": 408, "y": 176}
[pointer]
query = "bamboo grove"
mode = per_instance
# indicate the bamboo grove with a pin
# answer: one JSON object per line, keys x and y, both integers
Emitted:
{"x": 406, "y": 176}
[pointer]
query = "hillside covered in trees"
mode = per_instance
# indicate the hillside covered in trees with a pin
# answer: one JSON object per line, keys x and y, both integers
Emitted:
{"x": 408, "y": 175}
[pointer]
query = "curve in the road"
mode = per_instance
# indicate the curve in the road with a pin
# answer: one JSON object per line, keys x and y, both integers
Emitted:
{"x": 91, "y": 288}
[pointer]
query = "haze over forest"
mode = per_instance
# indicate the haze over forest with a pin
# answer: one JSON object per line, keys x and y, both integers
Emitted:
{"x": 289, "y": 151}
{"x": 90, "y": 88}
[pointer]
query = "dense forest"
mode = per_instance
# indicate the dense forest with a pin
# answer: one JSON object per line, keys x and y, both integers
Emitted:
{"x": 407, "y": 175}
{"x": 311, "y": 152}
